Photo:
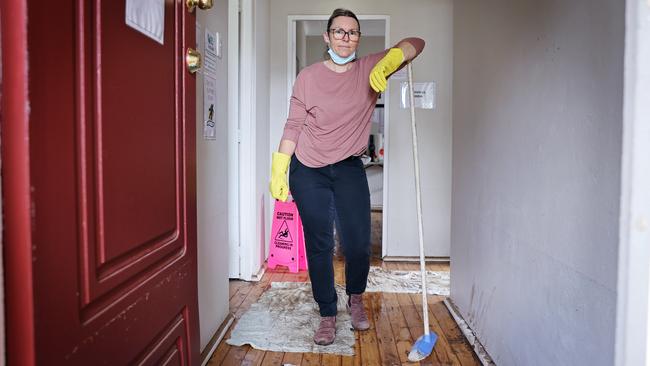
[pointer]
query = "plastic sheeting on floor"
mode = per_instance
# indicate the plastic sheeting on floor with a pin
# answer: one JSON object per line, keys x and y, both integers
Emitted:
{"x": 382, "y": 280}
{"x": 285, "y": 318}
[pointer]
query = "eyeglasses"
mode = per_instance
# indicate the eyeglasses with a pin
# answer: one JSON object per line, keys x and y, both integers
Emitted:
{"x": 353, "y": 35}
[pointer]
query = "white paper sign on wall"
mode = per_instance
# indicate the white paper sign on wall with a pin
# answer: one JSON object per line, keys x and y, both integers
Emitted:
{"x": 209, "y": 107}
{"x": 423, "y": 93}
{"x": 210, "y": 54}
{"x": 148, "y": 17}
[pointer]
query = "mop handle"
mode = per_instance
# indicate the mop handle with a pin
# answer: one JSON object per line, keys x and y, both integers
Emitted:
{"x": 425, "y": 310}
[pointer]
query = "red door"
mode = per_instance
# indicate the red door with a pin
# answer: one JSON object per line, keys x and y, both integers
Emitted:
{"x": 112, "y": 175}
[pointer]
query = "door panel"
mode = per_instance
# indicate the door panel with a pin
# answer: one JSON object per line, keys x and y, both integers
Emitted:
{"x": 135, "y": 222}
{"x": 147, "y": 71}
{"x": 113, "y": 186}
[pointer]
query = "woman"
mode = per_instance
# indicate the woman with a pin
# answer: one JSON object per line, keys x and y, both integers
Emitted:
{"x": 328, "y": 129}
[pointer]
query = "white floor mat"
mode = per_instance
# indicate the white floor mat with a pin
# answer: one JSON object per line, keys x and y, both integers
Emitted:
{"x": 382, "y": 280}
{"x": 285, "y": 318}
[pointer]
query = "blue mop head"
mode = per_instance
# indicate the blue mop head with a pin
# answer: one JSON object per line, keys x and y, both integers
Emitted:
{"x": 423, "y": 347}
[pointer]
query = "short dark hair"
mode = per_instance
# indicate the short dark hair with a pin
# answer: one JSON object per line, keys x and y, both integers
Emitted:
{"x": 340, "y": 12}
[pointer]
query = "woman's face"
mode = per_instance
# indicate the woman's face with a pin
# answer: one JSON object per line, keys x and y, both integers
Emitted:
{"x": 346, "y": 46}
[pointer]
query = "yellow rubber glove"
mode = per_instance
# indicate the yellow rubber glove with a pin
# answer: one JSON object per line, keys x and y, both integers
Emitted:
{"x": 385, "y": 67}
{"x": 279, "y": 187}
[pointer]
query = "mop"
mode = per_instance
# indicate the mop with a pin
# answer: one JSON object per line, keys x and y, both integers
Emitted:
{"x": 424, "y": 345}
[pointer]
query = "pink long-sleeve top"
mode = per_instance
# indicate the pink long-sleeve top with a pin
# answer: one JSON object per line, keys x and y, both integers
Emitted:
{"x": 329, "y": 113}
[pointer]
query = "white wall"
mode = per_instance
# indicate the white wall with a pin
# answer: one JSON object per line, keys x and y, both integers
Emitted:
{"x": 536, "y": 171}
{"x": 212, "y": 186}
{"x": 432, "y": 21}
{"x": 633, "y": 291}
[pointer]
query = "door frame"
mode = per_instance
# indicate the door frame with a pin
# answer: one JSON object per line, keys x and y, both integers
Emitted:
{"x": 16, "y": 196}
{"x": 291, "y": 78}
{"x": 633, "y": 289}
{"x": 234, "y": 255}
{"x": 248, "y": 255}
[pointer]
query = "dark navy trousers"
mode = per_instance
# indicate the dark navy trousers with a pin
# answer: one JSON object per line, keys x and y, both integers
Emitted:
{"x": 337, "y": 192}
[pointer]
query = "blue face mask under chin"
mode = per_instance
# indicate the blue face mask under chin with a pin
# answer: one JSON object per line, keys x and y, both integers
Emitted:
{"x": 340, "y": 60}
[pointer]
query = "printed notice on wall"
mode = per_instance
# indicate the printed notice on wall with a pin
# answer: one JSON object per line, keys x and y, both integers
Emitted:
{"x": 209, "y": 85}
{"x": 209, "y": 105}
{"x": 210, "y": 54}
{"x": 147, "y": 17}
{"x": 424, "y": 95}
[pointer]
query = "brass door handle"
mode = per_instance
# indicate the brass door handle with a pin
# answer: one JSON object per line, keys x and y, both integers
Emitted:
{"x": 202, "y": 4}
{"x": 192, "y": 60}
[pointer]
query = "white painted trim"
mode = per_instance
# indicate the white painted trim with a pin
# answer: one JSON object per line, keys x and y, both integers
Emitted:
{"x": 384, "y": 210}
{"x": 291, "y": 78}
{"x": 395, "y": 258}
{"x": 233, "y": 140}
{"x": 291, "y": 53}
{"x": 249, "y": 249}
{"x": 258, "y": 276}
{"x": 633, "y": 289}
{"x": 469, "y": 334}
{"x": 225, "y": 328}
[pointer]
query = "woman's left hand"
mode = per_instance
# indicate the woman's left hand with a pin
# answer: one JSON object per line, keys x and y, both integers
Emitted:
{"x": 386, "y": 66}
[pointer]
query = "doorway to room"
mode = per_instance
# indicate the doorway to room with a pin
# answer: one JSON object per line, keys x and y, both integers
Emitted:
{"x": 306, "y": 47}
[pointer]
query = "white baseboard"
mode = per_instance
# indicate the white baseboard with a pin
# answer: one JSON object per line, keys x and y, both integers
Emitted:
{"x": 216, "y": 339}
{"x": 480, "y": 351}
{"x": 415, "y": 259}
{"x": 258, "y": 276}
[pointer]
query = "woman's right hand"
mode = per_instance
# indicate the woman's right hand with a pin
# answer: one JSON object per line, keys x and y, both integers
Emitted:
{"x": 279, "y": 186}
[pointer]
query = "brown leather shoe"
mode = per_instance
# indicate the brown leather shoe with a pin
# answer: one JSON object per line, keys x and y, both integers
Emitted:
{"x": 357, "y": 312}
{"x": 326, "y": 331}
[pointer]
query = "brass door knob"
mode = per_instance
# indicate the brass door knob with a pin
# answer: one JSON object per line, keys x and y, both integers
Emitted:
{"x": 192, "y": 60}
{"x": 202, "y": 4}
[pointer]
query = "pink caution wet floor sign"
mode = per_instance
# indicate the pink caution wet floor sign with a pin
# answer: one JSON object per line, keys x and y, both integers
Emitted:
{"x": 287, "y": 247}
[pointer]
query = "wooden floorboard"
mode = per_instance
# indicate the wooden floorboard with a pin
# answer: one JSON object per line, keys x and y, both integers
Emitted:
{"x": 292, "y": 358}
{"x": 253, "y": 357}
{"x": 443, "y": 351}
{"x": 330, "y": 359}
{"x": 396, "y": 321}
{"x": 370, "y": 354}
{"x": 386, "y": 342}
{"x": 272, "y": 358}
{"x": 356, "y": 359}
{"x": 455, "y": 337}
{"x": 401, "y": 333}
